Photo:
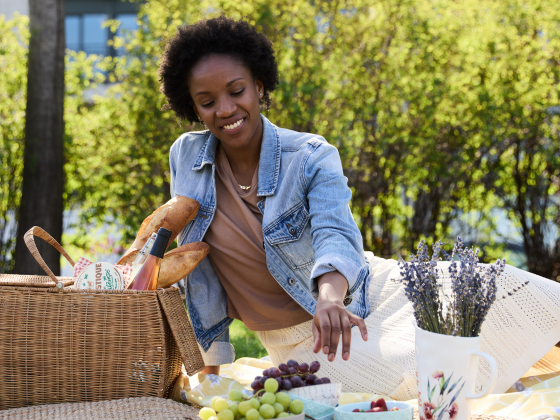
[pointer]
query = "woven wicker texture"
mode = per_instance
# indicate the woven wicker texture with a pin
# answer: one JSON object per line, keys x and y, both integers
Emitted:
{"x": 181, "y": 327}
{"x": 147, "y": 408}
{"x": 67, "y": 345}
{"x": 33, "y": 281}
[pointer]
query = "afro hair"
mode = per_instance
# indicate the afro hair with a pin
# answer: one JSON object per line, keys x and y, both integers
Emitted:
{"x": 222, "y": 35}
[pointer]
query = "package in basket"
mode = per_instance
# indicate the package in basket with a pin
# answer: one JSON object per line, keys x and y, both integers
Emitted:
{"x": 100, "y": 275}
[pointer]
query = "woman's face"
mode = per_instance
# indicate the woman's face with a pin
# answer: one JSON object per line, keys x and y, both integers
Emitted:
{"x": 226, "y": 98}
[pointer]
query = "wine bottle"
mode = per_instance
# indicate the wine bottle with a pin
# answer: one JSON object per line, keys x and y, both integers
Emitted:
{"x": 142, "y": 255}
{"x": 147, "y": 277}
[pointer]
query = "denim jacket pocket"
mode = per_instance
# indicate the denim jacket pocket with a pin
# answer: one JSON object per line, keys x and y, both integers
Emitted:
{"x": 290, "y": 235}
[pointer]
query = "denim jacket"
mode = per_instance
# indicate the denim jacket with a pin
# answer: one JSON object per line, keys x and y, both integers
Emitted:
{"x": 308, "y": 227}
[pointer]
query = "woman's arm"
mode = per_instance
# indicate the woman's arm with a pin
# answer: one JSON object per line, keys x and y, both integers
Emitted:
{"x": 337, "y": 241}
{"x": 340, "y": 267}
{"x": 331, "y": 318}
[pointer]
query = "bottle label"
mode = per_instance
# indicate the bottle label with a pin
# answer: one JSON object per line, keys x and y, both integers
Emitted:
{"x": 101, "y": 275}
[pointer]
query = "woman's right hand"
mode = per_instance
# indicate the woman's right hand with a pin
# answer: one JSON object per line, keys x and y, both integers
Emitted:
{"x": 331, "y": 318}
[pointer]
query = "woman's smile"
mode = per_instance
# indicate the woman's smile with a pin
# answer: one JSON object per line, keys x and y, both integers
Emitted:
{"x": 235, "y": 127}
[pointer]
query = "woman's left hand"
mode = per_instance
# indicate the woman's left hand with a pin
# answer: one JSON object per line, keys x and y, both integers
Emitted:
{"x": 331, "y": 318}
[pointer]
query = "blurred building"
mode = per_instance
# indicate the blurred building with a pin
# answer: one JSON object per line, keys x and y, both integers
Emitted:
{"x": 84, "y": 21}
{"x": 9, "y": 7}
{"x": 84, "y": 24}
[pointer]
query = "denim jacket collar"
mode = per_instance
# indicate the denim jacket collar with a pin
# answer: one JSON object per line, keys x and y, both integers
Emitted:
{"x": 269, "y": 163}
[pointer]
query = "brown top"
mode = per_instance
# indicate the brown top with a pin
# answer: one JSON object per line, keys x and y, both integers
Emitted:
{"x": 236, "y": 250}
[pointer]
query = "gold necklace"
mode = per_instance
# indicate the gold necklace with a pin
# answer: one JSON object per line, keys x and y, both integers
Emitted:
{"x": 243, "y": 187}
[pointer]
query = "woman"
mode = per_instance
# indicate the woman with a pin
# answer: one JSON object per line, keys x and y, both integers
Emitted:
{"x": 286, "y": 256}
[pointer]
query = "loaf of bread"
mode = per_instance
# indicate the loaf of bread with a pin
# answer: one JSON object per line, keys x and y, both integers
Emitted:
{"x": 176, "y": 264}
{"x": 173, "y": 215}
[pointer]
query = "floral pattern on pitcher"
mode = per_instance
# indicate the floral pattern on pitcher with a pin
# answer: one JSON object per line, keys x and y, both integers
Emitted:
{"x": 442, "y": 402}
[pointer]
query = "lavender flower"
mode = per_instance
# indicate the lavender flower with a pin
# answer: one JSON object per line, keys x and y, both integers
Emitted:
{"x": 473, "y": 289}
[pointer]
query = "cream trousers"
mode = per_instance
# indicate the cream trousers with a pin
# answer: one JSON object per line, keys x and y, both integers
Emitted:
{"x": 518, "y": 331}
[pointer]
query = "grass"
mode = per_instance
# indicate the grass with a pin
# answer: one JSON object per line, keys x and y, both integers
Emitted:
{"x": 245, "y": 342}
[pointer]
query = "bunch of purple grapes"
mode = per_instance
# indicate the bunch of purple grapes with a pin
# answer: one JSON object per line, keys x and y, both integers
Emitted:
{"x": 290, "y": 375}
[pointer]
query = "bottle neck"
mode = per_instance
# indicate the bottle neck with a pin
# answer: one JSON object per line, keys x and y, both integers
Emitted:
{"x": 160, "y": 244}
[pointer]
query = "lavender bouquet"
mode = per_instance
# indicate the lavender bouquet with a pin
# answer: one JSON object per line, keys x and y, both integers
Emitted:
{"x": 473, "y": 289}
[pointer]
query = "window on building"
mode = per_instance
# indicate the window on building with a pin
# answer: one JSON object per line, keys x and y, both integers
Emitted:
{"x": 127, "y": 26}
{"x": 73, "y": 33}
{"x": 84, "y": 24}
{"x": 86, "y": 32}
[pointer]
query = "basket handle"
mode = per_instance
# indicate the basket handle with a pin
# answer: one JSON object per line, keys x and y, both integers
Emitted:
{"x": 30, "y": 242}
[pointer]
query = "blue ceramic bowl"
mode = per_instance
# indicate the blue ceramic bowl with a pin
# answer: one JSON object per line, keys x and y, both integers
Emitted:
{"x": 344, "y": 412}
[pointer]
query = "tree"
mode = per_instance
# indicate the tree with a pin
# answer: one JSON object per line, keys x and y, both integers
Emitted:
{"x": 43, "y": 181}
{"x": 13, "y": 80}
{"x": 523, "y": 169}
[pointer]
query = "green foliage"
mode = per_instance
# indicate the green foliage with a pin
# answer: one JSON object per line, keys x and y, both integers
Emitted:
{"x": 245, "y": 342}
{"x": 425, "y": 101}
{"x": 443, "y": 113}
{"x": 118, "y": 150}
{"x": 14, "y": 39}
{"x": 14, "y": 36}
{"x": 522, "y": 82}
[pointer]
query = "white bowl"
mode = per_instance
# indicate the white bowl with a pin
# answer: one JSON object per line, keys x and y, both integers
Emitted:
{"x": 344, "y": 412}
{"x": 327, "y": 394}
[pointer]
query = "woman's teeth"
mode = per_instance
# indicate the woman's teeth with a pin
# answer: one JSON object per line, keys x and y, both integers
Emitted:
{"x": 234, "y": 125}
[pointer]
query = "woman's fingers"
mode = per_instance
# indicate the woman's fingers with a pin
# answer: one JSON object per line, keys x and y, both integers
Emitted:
{"x": 356, "y": 320}
{"x": 340, "y": 324}
{"x": 316, "y": 338}
{"x": 325, "y": 327}
{"x": 346, "y": 337}
{"x": 329, "y": 324}
{"x": 335, "y": 333}
{"x": 321, "y": 327}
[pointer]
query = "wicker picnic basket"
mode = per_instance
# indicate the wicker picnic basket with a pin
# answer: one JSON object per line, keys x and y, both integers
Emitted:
{"x": 61, "y": 345}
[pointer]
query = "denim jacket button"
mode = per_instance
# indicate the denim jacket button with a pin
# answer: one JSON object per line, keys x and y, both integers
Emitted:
{"x": 293, "y": 231}
{"x": 291, "y": 281}
{"x": 347, "y": 300}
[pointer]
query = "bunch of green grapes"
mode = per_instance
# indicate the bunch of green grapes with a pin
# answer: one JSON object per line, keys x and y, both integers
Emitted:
{"x": 262, "y": 406}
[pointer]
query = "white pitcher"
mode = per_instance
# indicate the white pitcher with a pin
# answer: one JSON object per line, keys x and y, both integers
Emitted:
{"x": 446, "y": 369}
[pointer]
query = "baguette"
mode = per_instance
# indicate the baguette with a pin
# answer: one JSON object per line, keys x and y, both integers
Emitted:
{"x": 176, "y": 264}
{"x": 173, "y": 215}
